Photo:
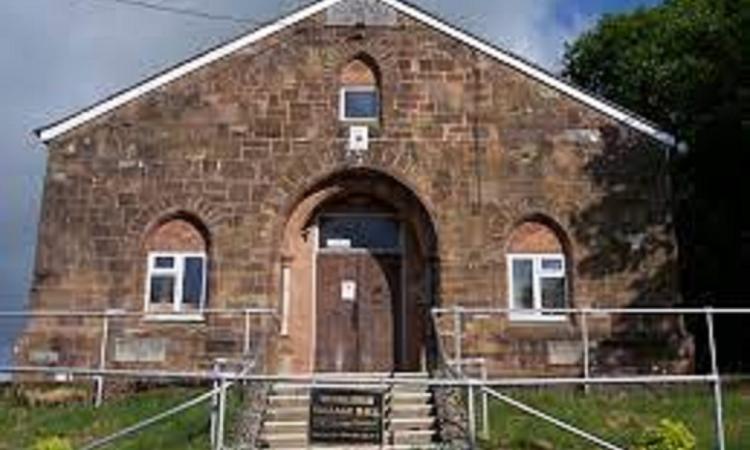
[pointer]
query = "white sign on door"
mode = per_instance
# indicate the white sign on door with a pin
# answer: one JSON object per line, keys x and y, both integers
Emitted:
{"x": 348, "y": 290}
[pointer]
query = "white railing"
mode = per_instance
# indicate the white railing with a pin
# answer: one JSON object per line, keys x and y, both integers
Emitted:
{"x": 487, "y": 385}
{"x": 108, "y": 316}
{"x": 459, "y": 314}
{"x": 352, "y": 382}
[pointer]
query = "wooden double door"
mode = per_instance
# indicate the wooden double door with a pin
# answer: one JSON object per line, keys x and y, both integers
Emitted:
{"x": 357, "y": 312}
{"x": 360, "y": 323}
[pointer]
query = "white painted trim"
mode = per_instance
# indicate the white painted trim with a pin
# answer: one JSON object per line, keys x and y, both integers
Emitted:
{"x": 535, "y": 315}
{"x": 178, "y": 272}
{"x": 175, "y": 318}
{"x": 628, "y": 118}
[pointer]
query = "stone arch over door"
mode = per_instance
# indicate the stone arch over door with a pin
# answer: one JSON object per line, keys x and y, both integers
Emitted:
{"x": 364, "y": 194}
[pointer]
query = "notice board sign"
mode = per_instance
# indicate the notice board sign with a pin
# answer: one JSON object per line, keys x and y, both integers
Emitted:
{"x": 340, "y": 416}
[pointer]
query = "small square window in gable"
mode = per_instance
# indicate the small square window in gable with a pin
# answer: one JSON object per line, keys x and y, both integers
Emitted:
{"x": 360, "y": 104}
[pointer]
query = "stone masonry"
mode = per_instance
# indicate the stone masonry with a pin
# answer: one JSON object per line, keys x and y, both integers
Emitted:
{"x": 237, "y": 145}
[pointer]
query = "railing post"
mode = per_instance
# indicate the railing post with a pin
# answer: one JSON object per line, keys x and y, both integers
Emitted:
{"x": 383, "y": 423}
{"x": 103, "y": 342}
{"x": 457, "y": 338}
{"x": 718, "y": 402}
{"x": 222, "y": 413}
{"x": 586, "y": 349}
{"x": 215, "y": 406}
{"x": 485, "y": 405}
{"x": 246, "y": 342}
{"x": 472, "y": 414}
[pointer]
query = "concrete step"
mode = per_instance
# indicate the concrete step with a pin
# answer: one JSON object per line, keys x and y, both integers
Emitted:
{"x": 364, "y": 447}
{"x": 411, "y": 414}
{"x": 284, "y": 427}
{"x": 294, "y": 413}
{"x": 415, "y": 438}
{"x": 372, "y": 375}
{"x": 409, "y": 387}
{"x": 294, "y": 400}
{"x": 413, "y": 398}
{"x": 406, "y": 410}
{"x": 283, "y": 440}
{"x": 414, "y": 424}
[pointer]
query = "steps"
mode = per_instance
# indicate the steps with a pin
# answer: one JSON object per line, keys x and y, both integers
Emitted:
{"x": 409, "y": 416}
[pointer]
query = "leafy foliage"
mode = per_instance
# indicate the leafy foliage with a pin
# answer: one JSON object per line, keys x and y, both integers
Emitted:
{"x": 675, "y": 64}
{"x": 53, "y": 443}
{"x": 681, "y": 64}
{"x": 668, "y": 435}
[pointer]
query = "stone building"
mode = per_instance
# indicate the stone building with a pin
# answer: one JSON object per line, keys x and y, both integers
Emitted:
{"x": 352, "y": 166}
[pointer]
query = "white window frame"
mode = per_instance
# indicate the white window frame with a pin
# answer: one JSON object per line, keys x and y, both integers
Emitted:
{"x": 178, "y": 272}
{"x": 535, "y": 314}
{"x": 342, "y": 104}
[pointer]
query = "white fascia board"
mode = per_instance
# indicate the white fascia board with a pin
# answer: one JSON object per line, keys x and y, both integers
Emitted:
{"x": 550, "y": 80}
{"x": 55, "y": 130}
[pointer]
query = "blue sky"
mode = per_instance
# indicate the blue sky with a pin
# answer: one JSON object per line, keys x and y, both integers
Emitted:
{"x": 57, "y": 56}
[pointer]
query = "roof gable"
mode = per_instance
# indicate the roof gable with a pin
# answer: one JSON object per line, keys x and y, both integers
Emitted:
{"x": 531, "y": 70}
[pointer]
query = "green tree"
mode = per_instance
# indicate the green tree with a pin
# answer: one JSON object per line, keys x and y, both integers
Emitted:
{"x": 680, "y": 64}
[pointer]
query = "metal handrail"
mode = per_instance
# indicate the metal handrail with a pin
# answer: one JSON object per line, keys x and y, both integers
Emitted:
{"x": 113, "y": 313}
{"x": 550, "y": 419}
{"x": 458, "y": 312}
{"x": 479, "y": 311}
{"x": 486, "y": 390}
{"x": 316, "y": 380}
{"x": 140, "y": 426}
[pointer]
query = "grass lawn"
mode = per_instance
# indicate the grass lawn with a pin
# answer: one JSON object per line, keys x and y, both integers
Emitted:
{"x": 21, "y": 426}
{"x": 619, "y": 416}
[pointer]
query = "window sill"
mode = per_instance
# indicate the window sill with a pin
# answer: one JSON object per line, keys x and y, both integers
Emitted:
{"x": 359, "y": 120}
{"x": 175, "y": 317}
{"x": 536, "y": 318}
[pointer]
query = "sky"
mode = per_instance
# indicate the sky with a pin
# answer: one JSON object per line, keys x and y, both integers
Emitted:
{"x": 57, "y": 56}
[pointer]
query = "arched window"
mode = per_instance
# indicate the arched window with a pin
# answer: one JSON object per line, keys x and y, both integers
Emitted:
{"x": 537, "y": 277}
{"x": 360, "y": 94}
{"x": 177, "y": 265}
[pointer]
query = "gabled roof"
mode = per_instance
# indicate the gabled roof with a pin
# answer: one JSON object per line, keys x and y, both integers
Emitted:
{"x": 605, "y": 107}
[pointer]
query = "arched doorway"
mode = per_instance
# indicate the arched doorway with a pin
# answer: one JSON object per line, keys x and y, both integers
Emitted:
{"x": 360, "y": 248}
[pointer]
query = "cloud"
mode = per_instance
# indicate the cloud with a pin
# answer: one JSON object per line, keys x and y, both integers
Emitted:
{"x": 529, "y": 28}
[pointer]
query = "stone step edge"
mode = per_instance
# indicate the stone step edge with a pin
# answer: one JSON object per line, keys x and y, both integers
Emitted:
{"x": 365, "y": 447}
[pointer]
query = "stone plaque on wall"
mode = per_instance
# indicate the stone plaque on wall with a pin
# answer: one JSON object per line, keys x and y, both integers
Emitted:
{"x": 565, "y": 353}
{"x": 44, "y": 357}
{"x": 130, "y": 350}
{"x": 365, "y": 12}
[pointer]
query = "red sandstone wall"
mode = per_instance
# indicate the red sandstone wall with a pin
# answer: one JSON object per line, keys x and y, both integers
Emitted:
{"x": 237, "y": 144}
